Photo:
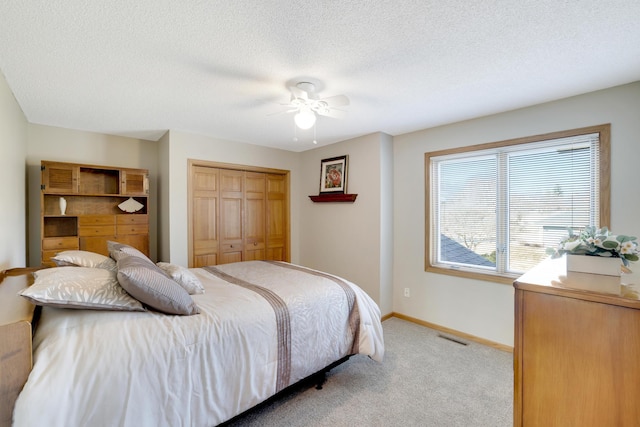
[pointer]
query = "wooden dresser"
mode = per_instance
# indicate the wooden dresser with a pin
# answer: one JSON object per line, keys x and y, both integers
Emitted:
{"x": 577, "y": 349}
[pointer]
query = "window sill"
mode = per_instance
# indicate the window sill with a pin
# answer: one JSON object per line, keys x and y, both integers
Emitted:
{"x": 504, "y": 279}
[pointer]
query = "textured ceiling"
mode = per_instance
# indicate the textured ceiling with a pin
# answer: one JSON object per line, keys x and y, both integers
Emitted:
{"x": 221, "y": 68}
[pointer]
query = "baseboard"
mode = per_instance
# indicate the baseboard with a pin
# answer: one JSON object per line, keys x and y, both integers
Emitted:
{"x": 469, "y": 337}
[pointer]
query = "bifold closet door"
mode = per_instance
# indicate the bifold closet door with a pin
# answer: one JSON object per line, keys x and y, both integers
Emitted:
{"x": 276, "y": 218}
{"x": 231, "y": 215}
{"x": 238, "y": 215}
{"x": 205, "y": 200}
{"x": 255, "y": 216}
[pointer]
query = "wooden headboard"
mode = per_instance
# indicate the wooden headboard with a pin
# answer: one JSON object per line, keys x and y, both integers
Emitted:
{"x": 16, "y": 319}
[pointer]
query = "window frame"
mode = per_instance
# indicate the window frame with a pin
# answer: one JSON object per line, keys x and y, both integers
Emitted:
{"x": 604, "y": 171}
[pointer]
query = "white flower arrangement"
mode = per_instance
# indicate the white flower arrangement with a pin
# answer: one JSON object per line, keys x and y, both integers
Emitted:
{"x": 598, "y": 242}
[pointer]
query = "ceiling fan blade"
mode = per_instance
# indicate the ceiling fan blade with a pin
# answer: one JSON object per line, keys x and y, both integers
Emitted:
{"x": 291, "y": 110}
{"x": 336, "y": 101}
{"x": 333, "y": 113}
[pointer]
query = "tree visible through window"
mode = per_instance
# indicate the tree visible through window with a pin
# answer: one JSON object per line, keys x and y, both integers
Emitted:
{"x": 494, "y": 208}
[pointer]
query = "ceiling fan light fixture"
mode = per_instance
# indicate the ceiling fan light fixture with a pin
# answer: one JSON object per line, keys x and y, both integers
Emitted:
{"x": 305, "y": 118}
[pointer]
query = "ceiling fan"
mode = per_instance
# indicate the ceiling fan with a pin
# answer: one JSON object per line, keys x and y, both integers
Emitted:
{"x": 306, "y": 103}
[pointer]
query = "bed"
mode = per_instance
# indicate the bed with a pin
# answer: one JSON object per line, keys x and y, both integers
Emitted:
{"x": 257, "y": 328}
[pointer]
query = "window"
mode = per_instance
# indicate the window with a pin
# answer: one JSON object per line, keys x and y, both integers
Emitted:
{"x": 493, "y": 209}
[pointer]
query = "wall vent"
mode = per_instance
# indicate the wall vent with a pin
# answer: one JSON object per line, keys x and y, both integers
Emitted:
{"x": 455, "y": 340}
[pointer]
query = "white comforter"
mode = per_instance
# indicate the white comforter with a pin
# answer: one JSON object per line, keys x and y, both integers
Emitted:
{"x": 148, "y": 369}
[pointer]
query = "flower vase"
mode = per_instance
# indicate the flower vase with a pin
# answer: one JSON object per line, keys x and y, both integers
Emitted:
{"x": 608, "y": 266}
{"x": 63, "y": 205}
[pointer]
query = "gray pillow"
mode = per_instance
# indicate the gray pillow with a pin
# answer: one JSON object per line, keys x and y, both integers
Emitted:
{"x": 118, "y": 250}
{"x": 147, "y": 283}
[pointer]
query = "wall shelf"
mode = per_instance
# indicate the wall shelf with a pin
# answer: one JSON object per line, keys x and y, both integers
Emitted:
{"x": 334, "y": 198}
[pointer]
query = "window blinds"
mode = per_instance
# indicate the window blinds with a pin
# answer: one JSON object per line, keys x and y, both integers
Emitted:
{"x": 500, "y": 208}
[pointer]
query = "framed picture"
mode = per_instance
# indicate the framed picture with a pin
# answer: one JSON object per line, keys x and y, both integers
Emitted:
{"x": 333, "y": 175}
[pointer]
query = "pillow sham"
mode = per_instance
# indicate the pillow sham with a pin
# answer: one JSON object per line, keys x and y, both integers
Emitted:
{"x": 183, "y": 276}
{"x": 80, "y": 287}
{"x": 84, "y": 259}
{"x": 147, "y": 283}
{"x": 118, "y": 250}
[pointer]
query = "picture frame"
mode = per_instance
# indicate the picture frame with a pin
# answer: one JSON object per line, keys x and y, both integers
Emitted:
{"x": 333, "y": 175}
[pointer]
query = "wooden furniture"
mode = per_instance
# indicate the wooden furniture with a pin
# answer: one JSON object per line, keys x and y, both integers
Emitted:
{"x": 237, "y": 213}
{"x": 577, "y": 349}
{"x": 16, "y": 315}
{"x": 92, "y": 217}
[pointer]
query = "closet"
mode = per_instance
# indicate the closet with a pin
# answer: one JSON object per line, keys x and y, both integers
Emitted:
{"x": 237, "y": 213}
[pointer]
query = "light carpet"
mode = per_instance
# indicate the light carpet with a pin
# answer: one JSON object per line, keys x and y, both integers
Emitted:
{"x": 424, "y": 380}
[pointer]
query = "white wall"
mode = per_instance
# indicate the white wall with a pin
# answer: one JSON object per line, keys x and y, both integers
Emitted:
{"x": 13, "y": 147}
{"x": 74, "y": 146}
{"x": 485, "y": 309}
{"x": 181, "y": 146}
{"x": 346, "y": 239}
{"x": 386, "y": 224}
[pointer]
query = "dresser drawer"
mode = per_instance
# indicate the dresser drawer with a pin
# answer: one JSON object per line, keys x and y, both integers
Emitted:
{"x": 91, "y": 220}
{"x": 59, "y": 243}
{"x": 132, "y": 219}
{"x": 132, "y": 229}
{"x": 47, "y": 255}
{"x": 97, "y": 230}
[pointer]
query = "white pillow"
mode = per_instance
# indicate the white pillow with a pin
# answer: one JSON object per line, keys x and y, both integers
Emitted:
{"x": 84, "y": 259}
{"x": 183, "y": 276}
{"x": 80, "y": 287}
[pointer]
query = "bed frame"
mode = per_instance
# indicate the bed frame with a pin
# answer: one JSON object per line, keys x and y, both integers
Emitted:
{"x": 17, "y": 320}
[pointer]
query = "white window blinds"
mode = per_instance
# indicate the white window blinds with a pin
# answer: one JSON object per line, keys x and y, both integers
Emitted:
{"x": 498, "y": 209}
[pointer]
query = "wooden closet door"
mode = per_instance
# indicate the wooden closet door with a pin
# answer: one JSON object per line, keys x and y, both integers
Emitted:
{"x": 237, "y": 214}
{"x": 255, "y": 216}
{"x": 277, "y": 220}
{"x": 231, "y": 216}
{"x": 205, "y": 200}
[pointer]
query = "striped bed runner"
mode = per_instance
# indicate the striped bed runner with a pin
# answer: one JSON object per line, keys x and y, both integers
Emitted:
{"x": 354, "y": 317}
{"x": 283, "y": 319}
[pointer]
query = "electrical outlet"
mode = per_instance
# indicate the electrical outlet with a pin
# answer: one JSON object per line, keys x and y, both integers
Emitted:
{"x": 406, "y": 292}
